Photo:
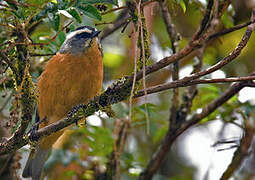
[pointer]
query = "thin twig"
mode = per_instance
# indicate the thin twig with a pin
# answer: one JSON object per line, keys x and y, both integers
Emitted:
{"x": 113, "y": 9}
{"x": 140, "y": 14}
{"x": 35, "y": 54}
{"x": 224, "y": 61}
{"x": 116, "y": 93}
{"x": 191, "y": 91}
{"x": 43, "y": 44}
{"x": 232, "y": 29}
{"x": 242, "y": 151}
{"x": 176, "y": 84}
{"x": 171, "y": 135}
{"x": 103, "y": 23}
{"x": 206, "y": 19}
{"x": 119, "y": 22}
{"x": 134, "y": 82}
{"x": 124, "y": 7}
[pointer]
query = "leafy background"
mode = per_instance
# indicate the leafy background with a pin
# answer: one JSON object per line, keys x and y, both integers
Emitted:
{"x": 84, "y": 152}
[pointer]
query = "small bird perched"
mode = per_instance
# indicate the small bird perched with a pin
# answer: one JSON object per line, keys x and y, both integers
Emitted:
{"x": 71, "y": 77}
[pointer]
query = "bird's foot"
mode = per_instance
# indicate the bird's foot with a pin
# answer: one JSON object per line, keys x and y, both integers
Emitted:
{"x": 34, "y": 129}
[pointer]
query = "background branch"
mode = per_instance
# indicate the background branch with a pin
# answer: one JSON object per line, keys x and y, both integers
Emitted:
{"x": 171, "y": 136}
{"x": 170, "y": 85}
{"x": 173, "y": 36}
{"x": 242, "y": 151}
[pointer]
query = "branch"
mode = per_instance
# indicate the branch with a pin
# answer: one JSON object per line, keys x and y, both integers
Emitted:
{"x": 241, "y": 153}
{"x": 205, "y": 21}
{"x": 189, "y": 80}
{"x": 175, "y": 69}
{"x": 171, "y": 136}
{"x": 190, "y": 92}
{"x": 119, "y": 22}
{"x": 117, "y": 92}
{"x": 232, "y": 29}
{"x": 113, "y": 9}
{"x": 176, "y": 84}
{"x": 35, "y": 54}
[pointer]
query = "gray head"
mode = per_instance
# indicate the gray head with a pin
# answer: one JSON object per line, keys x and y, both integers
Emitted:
{"x": 78, "y": 41}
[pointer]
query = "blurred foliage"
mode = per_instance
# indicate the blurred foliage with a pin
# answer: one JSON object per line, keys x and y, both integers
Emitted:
{"x": 84, "y": 153}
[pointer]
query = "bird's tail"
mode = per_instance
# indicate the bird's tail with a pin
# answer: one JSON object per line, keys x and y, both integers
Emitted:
{"x": 35, "y": 162}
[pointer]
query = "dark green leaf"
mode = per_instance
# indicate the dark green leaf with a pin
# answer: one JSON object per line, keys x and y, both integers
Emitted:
{"x": 50, "y": 8}
{"x": 61, "y": 37}
{"x": 13, "y": 5}
{"x": 114, "y": 2}
{"x": 56, "y": 21}
{"x": 62, "y": 4}
{"x": 91, "y": 11}
{"x": 75, "y": 14}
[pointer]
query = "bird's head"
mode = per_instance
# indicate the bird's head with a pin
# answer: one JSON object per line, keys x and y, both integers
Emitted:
{"x": 78, "y": 41}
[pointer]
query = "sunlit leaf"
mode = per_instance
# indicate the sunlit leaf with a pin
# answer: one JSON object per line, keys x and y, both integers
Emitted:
{"x": 54, "y": 1}
{"x": 75, "y": 14}
{"x": 210, "y": 117}
{"x": 159, "y": 134}
{"x": 37, "y": 2}
{"x": 65, "y": 13}
{"x": 112, "y": 60}
{"x": 183, "y": 5}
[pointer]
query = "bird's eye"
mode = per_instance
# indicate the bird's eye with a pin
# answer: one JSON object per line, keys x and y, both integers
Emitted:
{"x": 84, "y": 35}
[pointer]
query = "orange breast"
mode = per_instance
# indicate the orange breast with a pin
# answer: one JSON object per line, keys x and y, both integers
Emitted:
{"x": 68, "y": 80}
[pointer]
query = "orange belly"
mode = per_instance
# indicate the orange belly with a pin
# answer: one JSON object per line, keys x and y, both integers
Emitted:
{"x": 67, "y": 81}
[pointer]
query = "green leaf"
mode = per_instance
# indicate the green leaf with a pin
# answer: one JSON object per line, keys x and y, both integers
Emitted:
{"x": 37, "y": 2}
{"x": 62, "y": 4}
{"x": 56, "y": 21}
{"x": 113, "y": 60}
{"x": 210, "y": 117}
{"x": 227, "y": 21}
{"x": 91, "y": 11}
{"x": 99, "y": 139}
{"x": 207, "y": 93}
{"x": 61, "y": 37}
{"x": 182, "y": 4}
{"x": 114, "y": 2}
{"x": 75, "y": 14}
{"x": 54, "y": 1}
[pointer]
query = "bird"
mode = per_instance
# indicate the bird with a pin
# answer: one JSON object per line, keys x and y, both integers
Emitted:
{"x": 71, "y": 77}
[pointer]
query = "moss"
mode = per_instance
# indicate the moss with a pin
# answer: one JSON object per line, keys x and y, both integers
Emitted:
{"x": 118, "y": 91}
{"x": 28, "y": 99}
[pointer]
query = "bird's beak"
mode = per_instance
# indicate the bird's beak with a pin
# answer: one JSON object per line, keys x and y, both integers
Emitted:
{"x": 95, "y": 33}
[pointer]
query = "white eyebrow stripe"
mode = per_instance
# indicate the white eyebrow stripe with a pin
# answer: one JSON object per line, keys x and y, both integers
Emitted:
{"x": 78, "y": 32}
{"x": 87, "y": 30}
